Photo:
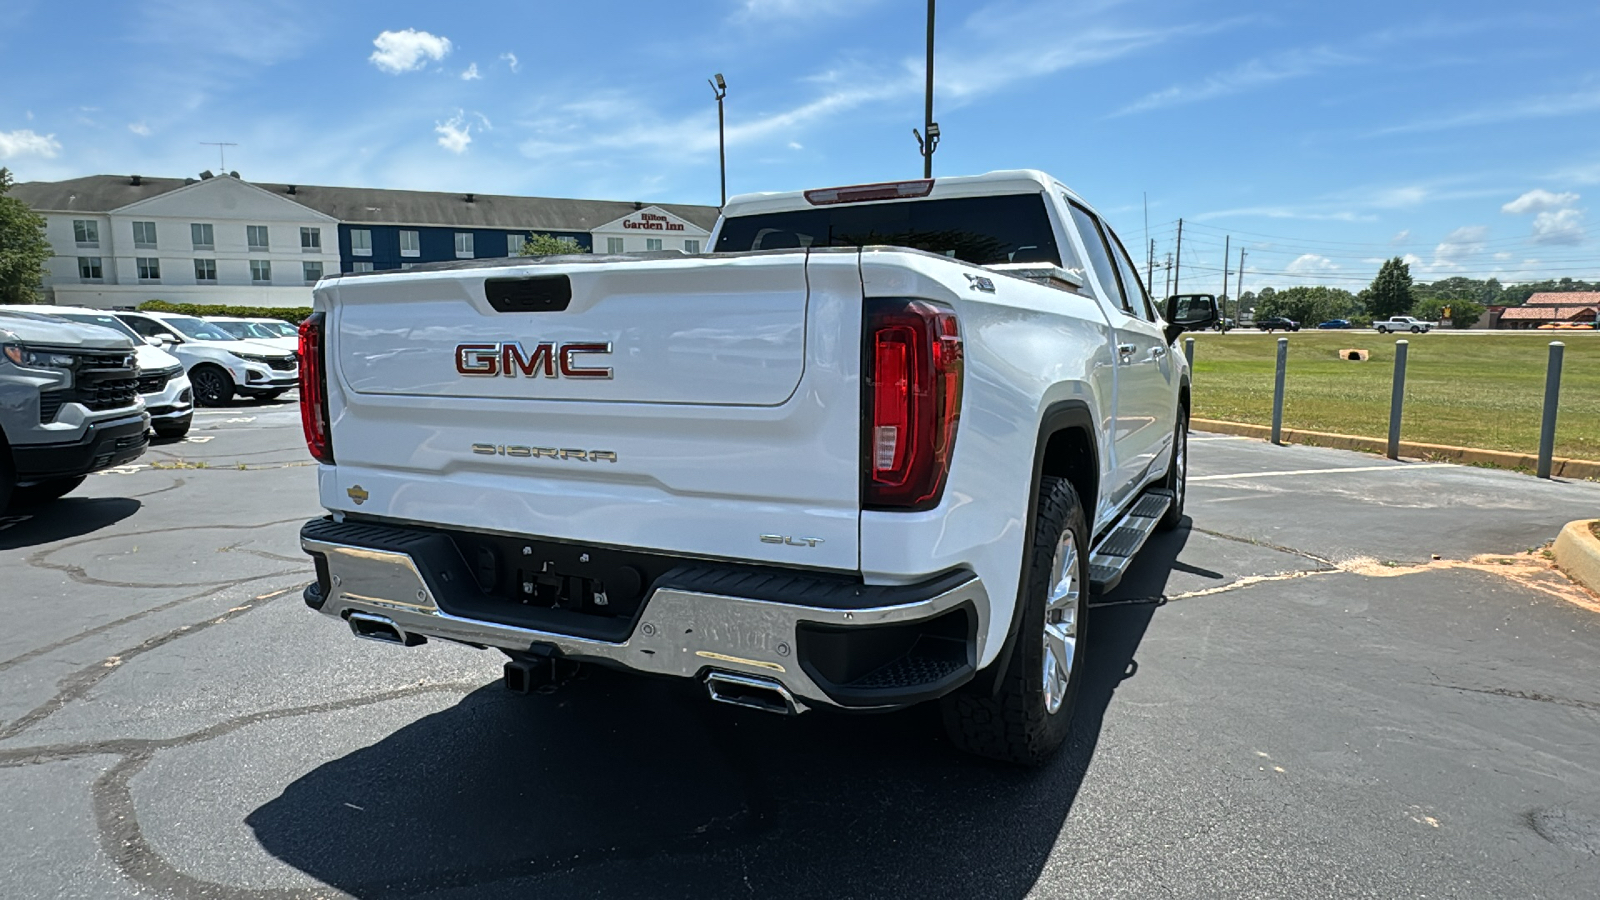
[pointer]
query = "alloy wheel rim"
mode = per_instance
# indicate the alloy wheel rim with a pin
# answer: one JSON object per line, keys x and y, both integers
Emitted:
{"x": 1061, "y": 622}
{"x": 210, "y": 385}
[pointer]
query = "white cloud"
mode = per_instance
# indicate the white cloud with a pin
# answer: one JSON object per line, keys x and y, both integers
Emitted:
{"x": 407, "y": 51}
{"x": 512, "y": 61}
{"x": 455, "y": 134}
{"x": 1512, "y": 111}
{"x": 1247, "y": 75}
{"x": 139, "y": 128}
{"x": 471, "y": 73}
{"x": 1401, "y": 236}
{"x": 1459, "y": 245}
{"x": 24, "y": 142}
{"x": 1559, "y": 227}
{"x": 1539, "y": 200}
{"x": 796, "y": 145}
{"x": 792, "y": 9}
{"x": 1412, "y": 260}
{"x": 1310, "y": 264}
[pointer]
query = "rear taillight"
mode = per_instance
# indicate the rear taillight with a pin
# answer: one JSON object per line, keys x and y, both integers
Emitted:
{"x": 314, "y": 389}
{"x": 912, "y": 369}
{"x": 860, "y": 193}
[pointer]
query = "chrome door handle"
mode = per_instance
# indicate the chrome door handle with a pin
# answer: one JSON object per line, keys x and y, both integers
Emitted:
{"x": 1158, "y": 352}
{"x": 1126, "y": 349}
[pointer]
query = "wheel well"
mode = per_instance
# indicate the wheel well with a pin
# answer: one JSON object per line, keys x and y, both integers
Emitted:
{"x": 1183, "y": 398}
{"x": 1070, "y": 454}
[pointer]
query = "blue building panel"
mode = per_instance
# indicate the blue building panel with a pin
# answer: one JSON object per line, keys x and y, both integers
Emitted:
{"x": 434, "y": 244}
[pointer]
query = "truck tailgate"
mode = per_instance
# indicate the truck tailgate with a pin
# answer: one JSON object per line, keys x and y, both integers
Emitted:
{"x": 665, "y": 404}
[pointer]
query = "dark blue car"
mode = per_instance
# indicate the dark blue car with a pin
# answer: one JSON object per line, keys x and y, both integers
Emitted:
{"x": 1335, "y": 323}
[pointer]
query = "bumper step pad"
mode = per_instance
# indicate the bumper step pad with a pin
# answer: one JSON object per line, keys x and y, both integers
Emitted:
{"x": 1115, "y": 552}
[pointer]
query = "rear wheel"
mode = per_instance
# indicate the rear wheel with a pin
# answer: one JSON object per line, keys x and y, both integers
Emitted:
{"x": 1415, "y": 330}
{"x": 213, "y": 386}
{"x": 1177, "y": 473}
{"x": 1027, "y": 719}
{"x": 45, "y": 491}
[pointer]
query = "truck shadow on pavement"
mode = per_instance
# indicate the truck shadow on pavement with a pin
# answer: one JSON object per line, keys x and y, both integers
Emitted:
{"x": 616, "y": 785}
{"x": 29, "y": 526}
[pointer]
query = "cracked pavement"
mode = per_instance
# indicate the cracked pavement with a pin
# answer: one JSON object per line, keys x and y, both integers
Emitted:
{"x": 1352, "y": 683}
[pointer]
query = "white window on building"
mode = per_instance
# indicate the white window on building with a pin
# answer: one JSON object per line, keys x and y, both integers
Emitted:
{"x": 311, "y": 240}
{"x": 149, "y": 268}
{"x": 89, "y": 268}
{"x": 514, "y": 244}
{"x": 144, "y": 235}
{"x": 464, "y": 245}
{"x": 652, "y": 243}
{"x": 203, "y": 236}
{"x": 312, "y": 271}
{"x": 613, "y": 245}
{"x": 86, "y": 232}
{"x": 361, "y": 242}
{"x": 205, "y": 269}
{"x": 256, "y": 236}
{"x": 261, "y": 271}
{"x": 410, "y": 243}
{"x": 361, "y": 266}
{"x": 691, "y": 246}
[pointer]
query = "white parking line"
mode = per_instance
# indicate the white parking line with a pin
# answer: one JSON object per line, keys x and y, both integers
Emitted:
{"x": 1391, "y": 468}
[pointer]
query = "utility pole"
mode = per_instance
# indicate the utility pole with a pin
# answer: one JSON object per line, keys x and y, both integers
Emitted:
{"x": 1150, "y": 266}
{"x": 1224, "y": 311}
{"x": 929, "y": 126}
{"x": 1178, "y": 266}
{"x": 719, "y": 86}
{"x": 1238, "y": 285}
{"x": 1168, "y": 267}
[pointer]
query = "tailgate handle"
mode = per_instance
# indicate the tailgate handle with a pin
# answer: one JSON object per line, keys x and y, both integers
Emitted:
{"x": 540, "y": 293}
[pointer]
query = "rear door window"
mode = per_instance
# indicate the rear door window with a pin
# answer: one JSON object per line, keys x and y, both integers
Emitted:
{"x": 1132, "y": 284}
{"x": 1100, "y": 256}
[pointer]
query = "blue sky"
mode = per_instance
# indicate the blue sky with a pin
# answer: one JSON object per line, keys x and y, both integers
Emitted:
{"x": 1324, "y": 136}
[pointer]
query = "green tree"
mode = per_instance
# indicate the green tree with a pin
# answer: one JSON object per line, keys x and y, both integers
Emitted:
{"x": 23, "y": 248}
{"x": 1391, "y": 290}
{"x": 1309, "y": 305}
{"x": 537, "y": 244}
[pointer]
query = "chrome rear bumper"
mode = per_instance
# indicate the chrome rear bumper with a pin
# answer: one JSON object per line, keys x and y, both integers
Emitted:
{"x": 683, "y": 632}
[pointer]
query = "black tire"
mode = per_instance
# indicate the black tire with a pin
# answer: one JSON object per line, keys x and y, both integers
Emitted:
{"x": 1415, "y": 330}
{"x": 8, "y": 476}
{"x": 1382, "y": 330}
{"x": 45, "y": 491}
{"x": 176, "y": 428}
{"x": 1015, "y": 724}
{"x": 1177, "y": 473}
{"x": 213, "y": 386}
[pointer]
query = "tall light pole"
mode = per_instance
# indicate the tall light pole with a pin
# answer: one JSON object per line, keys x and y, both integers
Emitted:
{"x": 929, "y": 126}
{"x": 719, "y": 86}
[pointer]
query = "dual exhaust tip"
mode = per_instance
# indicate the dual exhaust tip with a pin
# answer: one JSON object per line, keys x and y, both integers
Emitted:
{"x": 524, "y": 676}
{"x": 379, "y": 628}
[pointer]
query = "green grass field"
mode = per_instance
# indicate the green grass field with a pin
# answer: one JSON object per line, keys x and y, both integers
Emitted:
{"x": 1470, "y": 390}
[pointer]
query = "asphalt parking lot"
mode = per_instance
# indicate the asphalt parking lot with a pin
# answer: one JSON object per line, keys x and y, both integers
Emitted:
{"x": 1346, "y": 678}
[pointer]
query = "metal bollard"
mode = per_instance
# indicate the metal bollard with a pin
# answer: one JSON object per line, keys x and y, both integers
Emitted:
{"x": 1398, "y": 399}
{"x": 1277, "y": 391}
{"x": 1552, "y": 399}
{"x": 1188, "y": 350}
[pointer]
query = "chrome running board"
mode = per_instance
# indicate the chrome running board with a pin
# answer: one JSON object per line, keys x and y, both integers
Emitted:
{"x": 1115, "y": 552}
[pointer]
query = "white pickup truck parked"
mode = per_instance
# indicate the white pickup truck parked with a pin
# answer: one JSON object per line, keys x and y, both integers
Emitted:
{"x": 873, "y": 450}
{"x": 1404, "y": 323}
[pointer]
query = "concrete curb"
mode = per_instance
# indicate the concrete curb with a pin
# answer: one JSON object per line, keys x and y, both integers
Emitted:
{"x": 1577, "y": 553}
{"x": 1560, "y": 467}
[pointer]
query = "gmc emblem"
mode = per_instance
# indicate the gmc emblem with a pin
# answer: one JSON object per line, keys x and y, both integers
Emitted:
{"x": 510, "y": 359}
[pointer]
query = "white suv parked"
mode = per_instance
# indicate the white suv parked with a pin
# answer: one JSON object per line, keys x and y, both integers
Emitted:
{"x": 219, "y": 365}
{"x": 163, "y": 383}
{"x": 258, "y": 330}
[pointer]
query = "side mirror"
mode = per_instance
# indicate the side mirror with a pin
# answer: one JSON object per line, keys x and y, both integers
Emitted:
{"x": 1189, "y": 312}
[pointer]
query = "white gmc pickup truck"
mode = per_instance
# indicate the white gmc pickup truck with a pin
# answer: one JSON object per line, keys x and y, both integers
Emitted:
{"x": 873, "y": 450}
